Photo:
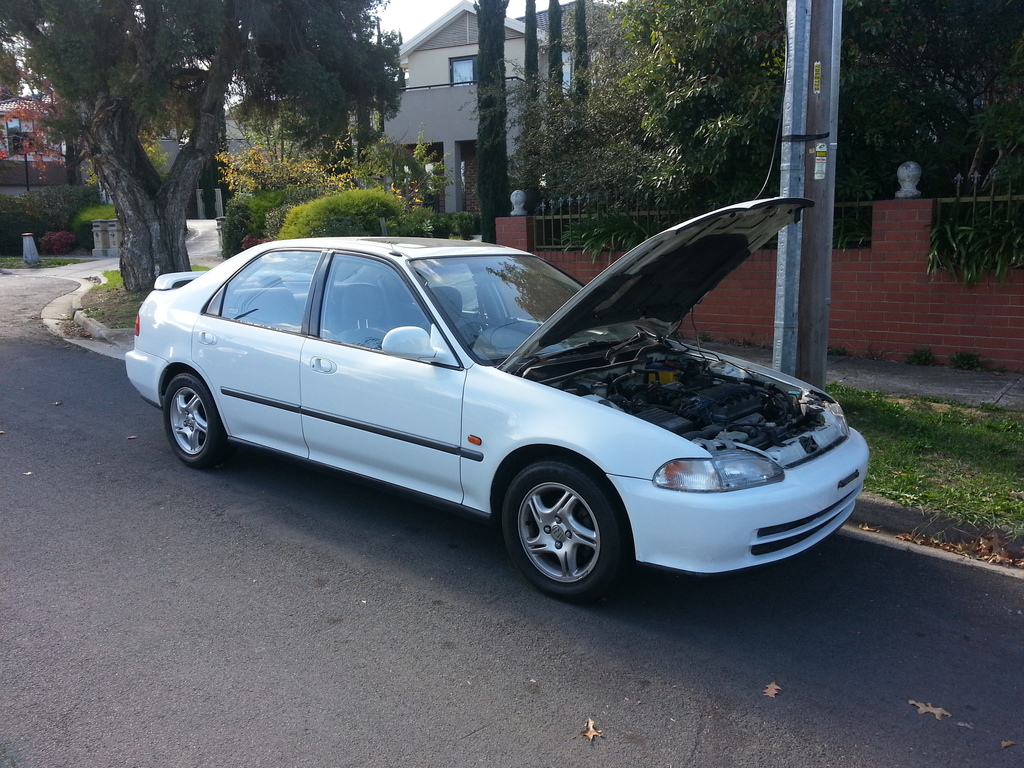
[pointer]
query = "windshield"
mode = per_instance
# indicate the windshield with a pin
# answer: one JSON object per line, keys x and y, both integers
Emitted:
{"x": 494, "y": 302}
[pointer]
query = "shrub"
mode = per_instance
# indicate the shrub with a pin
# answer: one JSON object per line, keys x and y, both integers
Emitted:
{"x": 82, "y": 224}
{"x": 364, "y": 207}
{"x": 418, "y": 222}
{"x": 466, "y": 224}
{"x": 922, "y": 356}
{"x": 16, "y": 218}
{"x": 58, "y": 243}
{"x": 965, "y": 361}
{"x": 58, "y": 206}
{"x": 249, "y": 241}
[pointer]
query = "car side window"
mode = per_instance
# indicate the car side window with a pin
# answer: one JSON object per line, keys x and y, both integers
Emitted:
{"x": 363, "y": 300}
{"x": 271, "y": 291}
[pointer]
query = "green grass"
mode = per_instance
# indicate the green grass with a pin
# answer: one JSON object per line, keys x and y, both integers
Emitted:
{"x": 17, "y": 262}
{"x": 960, "y": 461}
{"x": 112, "y": 305}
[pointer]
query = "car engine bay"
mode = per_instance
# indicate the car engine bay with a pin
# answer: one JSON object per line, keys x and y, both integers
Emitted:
{"x": 701, "y": 397}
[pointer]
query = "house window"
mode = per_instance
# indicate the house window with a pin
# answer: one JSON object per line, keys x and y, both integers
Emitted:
{"x": 462, "y": 70}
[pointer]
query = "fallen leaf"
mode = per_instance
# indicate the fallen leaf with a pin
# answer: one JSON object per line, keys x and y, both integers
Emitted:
{"x": 966, "y": 725}
{"x": 772, "y": 690}
{"x": 866, "y": 527}
{"x": 26, "y": 473}
{"x": 133, "y": 437}
{"x": 59, "y": 402}
{"x": 928, "y": 709}
{"x": 1008, "y": 744}
{"x": 1013, "y": 494}
{"x": 590, "y": 731}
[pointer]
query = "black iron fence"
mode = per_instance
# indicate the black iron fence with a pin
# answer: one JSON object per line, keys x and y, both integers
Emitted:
{"x": 594, "y": 223}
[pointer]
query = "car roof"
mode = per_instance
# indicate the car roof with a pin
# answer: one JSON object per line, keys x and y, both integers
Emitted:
{"x": 397, "y": 247}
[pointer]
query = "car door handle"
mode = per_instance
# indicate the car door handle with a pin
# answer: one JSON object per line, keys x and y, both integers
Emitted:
{"x": 205, "y": 337}
{"x": 322, "y": 365}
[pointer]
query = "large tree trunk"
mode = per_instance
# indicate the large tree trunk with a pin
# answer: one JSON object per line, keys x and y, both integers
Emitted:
{"x": 151, "y": 210}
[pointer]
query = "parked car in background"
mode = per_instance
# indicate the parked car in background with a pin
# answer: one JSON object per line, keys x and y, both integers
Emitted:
{"x": 483, "y": 379}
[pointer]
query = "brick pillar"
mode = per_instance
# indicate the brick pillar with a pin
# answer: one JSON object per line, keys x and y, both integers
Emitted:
{"x": 516, "y": 232}
{"x": 901, "y": 229}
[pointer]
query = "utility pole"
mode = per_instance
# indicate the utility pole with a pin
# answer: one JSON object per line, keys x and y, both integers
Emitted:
{"x": 808, "y": 169}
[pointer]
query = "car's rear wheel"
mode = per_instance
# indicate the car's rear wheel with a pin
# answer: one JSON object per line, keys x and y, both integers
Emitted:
{"x": 192, "y": 424}
{"x": 565, "y": 532}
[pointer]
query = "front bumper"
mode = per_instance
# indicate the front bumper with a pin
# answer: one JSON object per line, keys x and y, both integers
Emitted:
{"x": 719, "y": 532}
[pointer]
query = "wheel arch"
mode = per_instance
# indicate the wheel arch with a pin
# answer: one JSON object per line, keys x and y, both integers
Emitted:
{"x": 173, "y": 370}
{"x": 523, "y": 457}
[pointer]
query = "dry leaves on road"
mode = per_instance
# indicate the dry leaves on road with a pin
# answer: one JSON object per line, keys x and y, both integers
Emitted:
{"x": 590, "y": 731}
{"x": 928, "y": 709}
{"x": 772, "y": 690}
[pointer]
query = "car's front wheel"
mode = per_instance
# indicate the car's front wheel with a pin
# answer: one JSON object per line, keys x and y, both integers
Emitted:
{"x": 192, "y": 424}
{"x": 565, "y": 532}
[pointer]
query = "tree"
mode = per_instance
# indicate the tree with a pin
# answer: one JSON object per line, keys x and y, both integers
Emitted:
{"x": 580, "y": 53}
{"x": 936, "y": 81}
{"x": 555, "y": 50}
{"x": 492, "y": 111}
{"x": 585, "y": 146}
{"x": 123, "y": 68}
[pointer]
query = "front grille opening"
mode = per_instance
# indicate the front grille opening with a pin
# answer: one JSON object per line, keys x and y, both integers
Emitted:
{"x": 780, "y": 544}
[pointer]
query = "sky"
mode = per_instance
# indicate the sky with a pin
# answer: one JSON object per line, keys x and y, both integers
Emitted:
{"x": 411, "y": 16}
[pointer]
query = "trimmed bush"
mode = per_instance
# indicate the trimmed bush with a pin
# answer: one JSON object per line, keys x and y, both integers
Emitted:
{"x": 82, "y": 224}
{"x": 57, "y": 243}
{"x": 50, "y": 209}
{"x": 364, "y": 207}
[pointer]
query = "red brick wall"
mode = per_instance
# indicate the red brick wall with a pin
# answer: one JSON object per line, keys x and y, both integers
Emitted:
{"x": 884, "y": 302}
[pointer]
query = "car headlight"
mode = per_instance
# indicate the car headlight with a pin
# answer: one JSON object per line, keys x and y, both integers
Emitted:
{"x": 725, "y": 471}
{"x": 837, "y": 410}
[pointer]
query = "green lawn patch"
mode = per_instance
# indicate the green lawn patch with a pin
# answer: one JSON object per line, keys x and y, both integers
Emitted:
{"x": 112, "y": 305}
{"x": 17, "y": 262}
{"x": 957, "y": 460}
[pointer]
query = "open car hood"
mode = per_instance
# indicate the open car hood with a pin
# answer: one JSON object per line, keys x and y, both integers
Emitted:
{"x": 656, "y": 284}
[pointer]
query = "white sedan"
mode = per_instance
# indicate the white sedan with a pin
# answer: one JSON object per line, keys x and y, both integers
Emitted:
{"x": 483, "y": 379}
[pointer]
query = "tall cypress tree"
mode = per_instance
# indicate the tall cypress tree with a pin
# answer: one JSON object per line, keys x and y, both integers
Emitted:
{"x": 531, "y": 69}
{"x": 580, "y": 54}
{"x": 491, "y": 147}
{"x": 555, "y": 49}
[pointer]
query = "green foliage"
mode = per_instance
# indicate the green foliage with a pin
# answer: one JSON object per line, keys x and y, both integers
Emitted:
{"x": 942, "y": 457}
{"x": 15, "y": 218}
{"x": 611, "y": 232}
{"x": 465, "y": 224}
{"x": 422, "y": 222}
{"x": 921, "y": 356}
{"x": 364, "y": 207}
{"x": 972, "y": 238}
{"x": 966, "y": 361}
{"x": 82, "y": 223}
{"x": 129, "y": 70}
{"x": 50, "y": 209}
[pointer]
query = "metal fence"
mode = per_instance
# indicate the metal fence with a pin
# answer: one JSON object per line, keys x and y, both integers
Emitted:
{"x": 556, "y": 220}
{"x": 563, "y": 223}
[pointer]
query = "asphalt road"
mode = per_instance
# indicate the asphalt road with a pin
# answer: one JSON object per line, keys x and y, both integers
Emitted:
{"x": 265, "y": 614}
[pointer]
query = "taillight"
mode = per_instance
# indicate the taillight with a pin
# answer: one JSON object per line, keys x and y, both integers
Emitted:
{"x": 137, "y": 323}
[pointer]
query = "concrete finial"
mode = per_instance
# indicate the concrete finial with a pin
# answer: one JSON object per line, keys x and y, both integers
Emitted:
{"x": 518, "y": 199}
{"x": 909, "y": 174}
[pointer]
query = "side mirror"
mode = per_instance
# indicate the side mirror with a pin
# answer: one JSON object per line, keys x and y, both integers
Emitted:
{"x": 413, "y": 343}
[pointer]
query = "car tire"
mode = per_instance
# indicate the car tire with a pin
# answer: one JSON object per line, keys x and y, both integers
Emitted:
{"x": 565, "y": 531}
{"x": 192, "y": 424}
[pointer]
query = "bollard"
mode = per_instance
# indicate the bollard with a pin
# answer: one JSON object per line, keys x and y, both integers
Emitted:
{"x": 28, "y": 249}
